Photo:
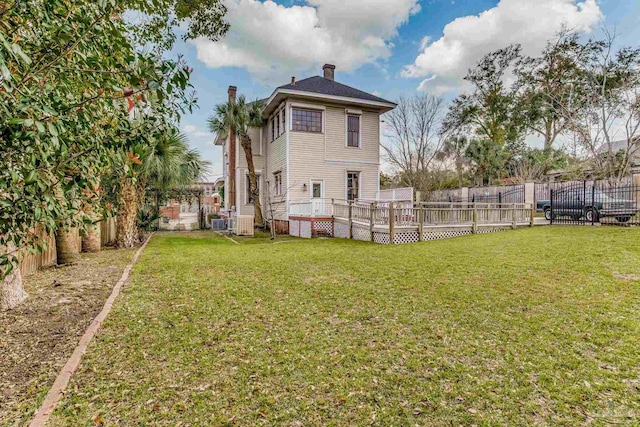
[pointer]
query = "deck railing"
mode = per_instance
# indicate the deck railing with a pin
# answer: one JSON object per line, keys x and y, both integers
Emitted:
{"x": 434, "y": 214}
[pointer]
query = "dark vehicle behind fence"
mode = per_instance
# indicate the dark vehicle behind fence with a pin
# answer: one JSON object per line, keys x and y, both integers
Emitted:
{"x": 587, "y": 204}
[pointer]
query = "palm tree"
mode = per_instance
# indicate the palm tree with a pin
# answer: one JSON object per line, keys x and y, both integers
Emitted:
{"x": 239, "y": 117}
{"x": 162, "y": 163}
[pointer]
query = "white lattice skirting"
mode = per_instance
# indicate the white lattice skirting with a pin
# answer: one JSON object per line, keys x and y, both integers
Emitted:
{"x": 341, "y": 230}
{"x": 360, "y": 233}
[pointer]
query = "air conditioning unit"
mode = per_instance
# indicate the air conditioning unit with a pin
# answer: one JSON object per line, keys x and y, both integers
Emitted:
{"x": 219, "y": 224}
{"x": 243, "y": 225}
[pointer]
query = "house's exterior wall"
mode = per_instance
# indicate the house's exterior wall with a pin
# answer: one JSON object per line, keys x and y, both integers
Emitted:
{"x": 301, "y": 157}
{"x": 325, "y": 156}
{"x": 276, "y": 161}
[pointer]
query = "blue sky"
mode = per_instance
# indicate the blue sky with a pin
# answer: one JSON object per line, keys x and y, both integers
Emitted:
{"x": 390, "y": 48}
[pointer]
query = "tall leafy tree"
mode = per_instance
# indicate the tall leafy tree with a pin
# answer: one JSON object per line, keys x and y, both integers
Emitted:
{"x": 239, "y": 117}
{"x": 68, "y": 72}
{"x": 490, "y": 113}
{"x": 548, "y": 82}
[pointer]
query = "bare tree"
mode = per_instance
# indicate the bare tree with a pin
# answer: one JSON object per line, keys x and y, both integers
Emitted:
{"x": 606, "y": 117}
{"x": 413, "y": 137}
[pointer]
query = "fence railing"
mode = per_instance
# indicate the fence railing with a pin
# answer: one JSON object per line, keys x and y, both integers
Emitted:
{"x": 435, "y": 214}
{"x": 588, "y": 204}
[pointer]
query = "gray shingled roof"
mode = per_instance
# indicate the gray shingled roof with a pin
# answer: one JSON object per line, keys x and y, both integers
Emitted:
{"x": 317, "y": 84}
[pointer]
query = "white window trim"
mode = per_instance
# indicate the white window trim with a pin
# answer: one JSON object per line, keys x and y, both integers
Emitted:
{"x": 323, "y": 115}
{"x": 277, "y": 191}
{"x": 311, "y": 181}
{"x": 346, "y": 127}
{"x": 346, "y": 184}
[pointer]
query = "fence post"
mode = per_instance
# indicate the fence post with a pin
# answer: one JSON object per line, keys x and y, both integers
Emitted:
{"x": 474, "y": 227}
{"x": 514, "y": 217}
{"x": 391, "y": 225}
{"x": 420, "y": 222}
{"x": 551, "y": 207}
{"x": 532, "y": 214}
{"x": 593, "y": 203}
{"x": 371, "y": 220}
{"x": 350, "y": 219}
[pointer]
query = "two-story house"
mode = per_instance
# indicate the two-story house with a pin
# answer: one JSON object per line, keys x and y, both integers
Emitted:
{"x": 320, "y": 141}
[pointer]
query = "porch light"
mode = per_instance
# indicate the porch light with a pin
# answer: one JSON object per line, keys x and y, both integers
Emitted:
{"x": 304, "y": 187}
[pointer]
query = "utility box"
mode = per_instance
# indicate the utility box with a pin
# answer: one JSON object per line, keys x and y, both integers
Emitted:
{"x": 243, "y": 225}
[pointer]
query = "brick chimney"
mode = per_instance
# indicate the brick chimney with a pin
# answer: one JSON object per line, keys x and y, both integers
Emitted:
{"x": 329, "y": 71}
{"x": 232, "y": 93}
{"x": 231, "y": 185}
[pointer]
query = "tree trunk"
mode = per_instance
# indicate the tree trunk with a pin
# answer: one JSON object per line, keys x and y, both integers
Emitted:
{"x": 67, "y": 247}
{"x": 91, "y": 239}
{"x": 11, "y": 291}
{"x": 253, "y": 180}
{"x": 127, "y": 229}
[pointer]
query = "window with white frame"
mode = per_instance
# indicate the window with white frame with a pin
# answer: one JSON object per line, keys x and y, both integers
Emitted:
{"x": 284, "y": 121}
{"x": 353, "y": 185}
{"x": 278, "y": 125}
{"x": 273, "y": 129}
{"x": 306, "y": 120}
{"x": 277, "y": 183}
{"x": 249, "y": 195}
{"x": 353, "y": 131}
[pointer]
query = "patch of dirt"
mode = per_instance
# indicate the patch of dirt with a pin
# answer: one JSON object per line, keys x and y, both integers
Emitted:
{"x": 37, "y": 337}
{"x": 626, "y": 276}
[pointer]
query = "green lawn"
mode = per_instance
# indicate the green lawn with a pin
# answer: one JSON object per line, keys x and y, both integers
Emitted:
{"x": 530, "y": 326}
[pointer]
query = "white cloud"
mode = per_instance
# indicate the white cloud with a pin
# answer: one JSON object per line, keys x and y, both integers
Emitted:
{"x": 195, "y": 131}
{"x": 465, "y": 40}
{"x": 273, "y": 41}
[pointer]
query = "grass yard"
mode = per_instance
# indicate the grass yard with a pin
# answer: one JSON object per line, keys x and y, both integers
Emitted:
{"x": 521, "y": 327}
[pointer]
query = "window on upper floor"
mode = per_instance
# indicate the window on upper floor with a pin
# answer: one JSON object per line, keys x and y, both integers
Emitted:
{"x": 353, "y": 131}
{"x": 277, "y": 183}
{"x": 306, "y": 120}
{"x": 283, "y": 119}
{"x": 273, "y": 129}
{"x": 278, "y": 125}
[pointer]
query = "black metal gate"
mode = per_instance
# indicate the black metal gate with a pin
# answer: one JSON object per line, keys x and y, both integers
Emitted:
{"x": 585, "y": 204}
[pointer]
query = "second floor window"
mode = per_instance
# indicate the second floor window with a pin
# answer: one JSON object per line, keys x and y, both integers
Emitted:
{"x": 278, "y": 125}
{"x": 284, "y": 122}
{"x": 306, "y": 120}
{"x": 273, "y": 129}
{"x": 353, "y": 131}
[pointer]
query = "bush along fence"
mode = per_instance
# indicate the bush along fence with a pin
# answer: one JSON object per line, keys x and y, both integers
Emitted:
{"x": 397, "y": 223}
{"x": 584, "y": 203}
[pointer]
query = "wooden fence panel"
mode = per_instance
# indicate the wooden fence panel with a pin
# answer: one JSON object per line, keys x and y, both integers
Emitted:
{"x": 108, "y": 231}
{"x": 30, "y": 263}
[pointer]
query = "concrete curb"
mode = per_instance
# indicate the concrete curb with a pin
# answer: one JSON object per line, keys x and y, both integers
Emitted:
{"x": 62, "y": 380}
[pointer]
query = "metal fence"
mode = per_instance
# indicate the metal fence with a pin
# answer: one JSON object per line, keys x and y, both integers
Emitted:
{"x": 587, "y": 203}
{"x": 492, "y": 194}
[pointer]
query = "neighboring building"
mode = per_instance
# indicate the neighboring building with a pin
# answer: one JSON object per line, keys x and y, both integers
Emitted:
{"x": 320, "y": 141}
{"x": 632, "y": 149}
{"x": 211, "y": 197}
{"x": 186, "y": 214}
